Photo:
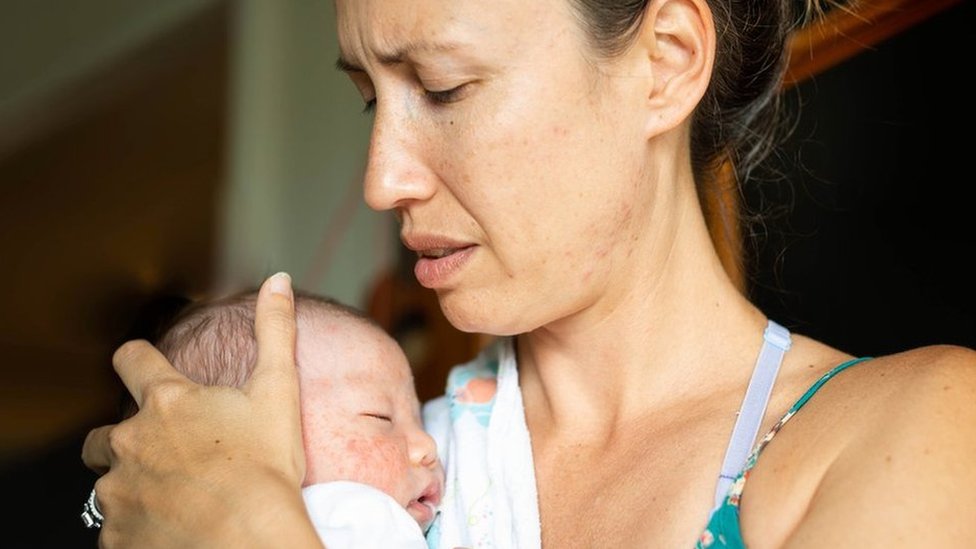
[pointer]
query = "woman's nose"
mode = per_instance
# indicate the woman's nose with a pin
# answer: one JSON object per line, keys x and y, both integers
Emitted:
{"x": 423, "y": 450}
{"x": 396, "y": 171}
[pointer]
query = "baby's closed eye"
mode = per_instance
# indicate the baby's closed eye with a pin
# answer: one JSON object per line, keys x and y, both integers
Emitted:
{"x": 379, "y": 416}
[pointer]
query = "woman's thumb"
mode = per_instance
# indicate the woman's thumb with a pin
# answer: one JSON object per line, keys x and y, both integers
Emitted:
{"x": 274, "y": 329}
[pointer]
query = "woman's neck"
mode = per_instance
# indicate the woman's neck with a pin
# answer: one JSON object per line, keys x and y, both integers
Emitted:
{"x": 672, "y": 328}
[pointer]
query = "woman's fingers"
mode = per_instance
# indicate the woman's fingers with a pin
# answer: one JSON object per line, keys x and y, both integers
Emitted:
{"x": 274, "y": 329}
{"x": 97, "y": 452}
{"x": 177, "y": 465}
{"x": 142, "y": 368}
{"x": 273, "y": 387}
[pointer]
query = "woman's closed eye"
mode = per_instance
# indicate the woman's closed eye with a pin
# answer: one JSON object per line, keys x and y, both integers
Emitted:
{"x": 435, "y": 97}
{"x": 446, "y": 97}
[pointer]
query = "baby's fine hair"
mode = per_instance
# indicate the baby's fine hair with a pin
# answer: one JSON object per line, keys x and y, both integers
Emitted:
{"x": 212, "y": 342}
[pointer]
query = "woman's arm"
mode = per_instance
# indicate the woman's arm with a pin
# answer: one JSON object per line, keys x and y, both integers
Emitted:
{"x": 208, "y": 466}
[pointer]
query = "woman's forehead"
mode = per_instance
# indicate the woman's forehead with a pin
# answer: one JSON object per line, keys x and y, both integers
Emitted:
{"x": 392, "y": 29}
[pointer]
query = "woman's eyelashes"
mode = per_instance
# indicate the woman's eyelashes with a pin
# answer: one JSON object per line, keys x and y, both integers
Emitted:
{"x": 370, "y": 106}
{"x": 446, "y": 97}
{"x": 434, "y": 97}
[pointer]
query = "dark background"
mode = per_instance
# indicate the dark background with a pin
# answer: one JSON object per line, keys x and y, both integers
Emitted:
{"x": 875, "y": 251}
{"x": 871, "y": 250}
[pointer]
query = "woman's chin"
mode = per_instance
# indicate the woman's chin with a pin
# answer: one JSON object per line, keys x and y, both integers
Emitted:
{"x": 471, "y": 315}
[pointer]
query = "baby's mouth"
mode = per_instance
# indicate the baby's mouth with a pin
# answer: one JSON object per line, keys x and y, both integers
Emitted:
{"x": 423, "y": 511}
{"x": 424, "y": 507}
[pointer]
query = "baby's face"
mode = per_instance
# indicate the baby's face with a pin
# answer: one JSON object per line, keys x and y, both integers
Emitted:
{"x": 361, "y": 417}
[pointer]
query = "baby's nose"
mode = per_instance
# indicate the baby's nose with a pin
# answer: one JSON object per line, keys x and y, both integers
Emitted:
{"x": 423, "y": 450}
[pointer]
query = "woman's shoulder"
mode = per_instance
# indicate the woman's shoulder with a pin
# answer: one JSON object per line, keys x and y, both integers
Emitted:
{"x": 905, "y": 466}
{"x": 914, "y": 395}
{"x": 951, "y": 359}
{"x": 925, "y": 392}
{"x": 923, "y": 378}
{"x": 907, "y": 378}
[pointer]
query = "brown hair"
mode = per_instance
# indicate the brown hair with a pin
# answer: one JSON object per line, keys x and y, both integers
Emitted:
{"x": 738, "y": 117}
{"x": 212, "y": 342}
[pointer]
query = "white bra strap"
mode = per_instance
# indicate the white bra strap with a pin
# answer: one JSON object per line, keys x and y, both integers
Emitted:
{"x": 776, "y": 341}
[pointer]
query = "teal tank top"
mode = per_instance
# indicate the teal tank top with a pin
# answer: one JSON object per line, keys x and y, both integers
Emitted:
{"x": 723, "y": 528}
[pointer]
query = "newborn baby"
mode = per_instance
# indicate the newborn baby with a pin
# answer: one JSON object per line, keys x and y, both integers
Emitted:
{"x": 373, "y": 475}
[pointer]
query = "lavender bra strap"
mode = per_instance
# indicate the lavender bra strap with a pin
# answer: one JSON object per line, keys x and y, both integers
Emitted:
{"x": 776, "y": 341}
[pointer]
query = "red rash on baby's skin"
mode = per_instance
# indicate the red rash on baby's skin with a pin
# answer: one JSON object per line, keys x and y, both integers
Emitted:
{"x": 371, "y": 460}
{"x": 360, "y": 414}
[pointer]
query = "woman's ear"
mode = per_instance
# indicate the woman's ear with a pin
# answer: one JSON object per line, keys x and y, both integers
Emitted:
{"x": 677, "y": 41}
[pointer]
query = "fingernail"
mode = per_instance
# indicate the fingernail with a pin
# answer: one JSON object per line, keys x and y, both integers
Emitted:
{"x": 280, "y": 283}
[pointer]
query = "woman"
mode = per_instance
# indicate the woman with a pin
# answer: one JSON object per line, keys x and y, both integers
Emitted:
{"x": 545, "y": 160}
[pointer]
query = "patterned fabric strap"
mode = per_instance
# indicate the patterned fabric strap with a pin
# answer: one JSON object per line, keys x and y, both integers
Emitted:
{"x": 724, "y": 529}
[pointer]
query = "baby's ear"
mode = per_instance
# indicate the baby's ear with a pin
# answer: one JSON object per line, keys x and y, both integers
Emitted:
{"x": 676, "y": 40}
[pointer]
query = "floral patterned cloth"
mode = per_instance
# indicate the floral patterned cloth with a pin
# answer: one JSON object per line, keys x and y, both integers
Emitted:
{"x": 490, "y": 498}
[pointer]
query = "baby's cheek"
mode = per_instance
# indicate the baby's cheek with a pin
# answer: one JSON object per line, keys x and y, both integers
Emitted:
{"x": 324, "y": 459}
{"x": 379, "y": 462}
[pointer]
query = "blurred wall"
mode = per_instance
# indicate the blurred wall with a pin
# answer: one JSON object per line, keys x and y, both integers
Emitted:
{"x": 150, "y": 150}
{"x": 108, "y": 197}
{"x": 47, "y": 47}
{"x": 298, "y": 140}
{"x": 106, "y": 200}
{"x": 155, "y": 149}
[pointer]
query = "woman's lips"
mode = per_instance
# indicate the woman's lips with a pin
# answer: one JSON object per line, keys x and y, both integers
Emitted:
{"x": 436, "y": 271}
{"x": 439, "y": 259}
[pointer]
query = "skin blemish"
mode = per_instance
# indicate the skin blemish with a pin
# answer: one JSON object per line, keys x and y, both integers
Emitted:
{"x": 887, "y": 459}
{"x": 217, "y": 441}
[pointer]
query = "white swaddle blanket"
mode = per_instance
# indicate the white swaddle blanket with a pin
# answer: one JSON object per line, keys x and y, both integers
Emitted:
{"x": 490, "y": 498}
{"x": 350, "y": 515}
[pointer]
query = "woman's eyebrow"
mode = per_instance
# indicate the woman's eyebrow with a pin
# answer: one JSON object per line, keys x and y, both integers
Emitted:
{"x": 396, "y": 57}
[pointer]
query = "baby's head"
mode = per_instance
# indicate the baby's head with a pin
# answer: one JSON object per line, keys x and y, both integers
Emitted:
{"x": 360, "y": 413}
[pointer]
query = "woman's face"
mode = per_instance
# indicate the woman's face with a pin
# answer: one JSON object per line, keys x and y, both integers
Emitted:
{"x": 513, "y": 157}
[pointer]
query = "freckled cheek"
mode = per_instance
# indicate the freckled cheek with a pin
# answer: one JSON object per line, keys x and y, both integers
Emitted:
{"x": 537, "y": 179}
{"x": 382, "y": 463}
{"x": 379, "y": 462}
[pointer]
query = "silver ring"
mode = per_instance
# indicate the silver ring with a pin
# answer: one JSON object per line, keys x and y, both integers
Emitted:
{"x": 90, "y": 514}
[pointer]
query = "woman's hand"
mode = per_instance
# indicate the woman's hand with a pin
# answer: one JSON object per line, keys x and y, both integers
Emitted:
{"x": 212, "y": 466}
